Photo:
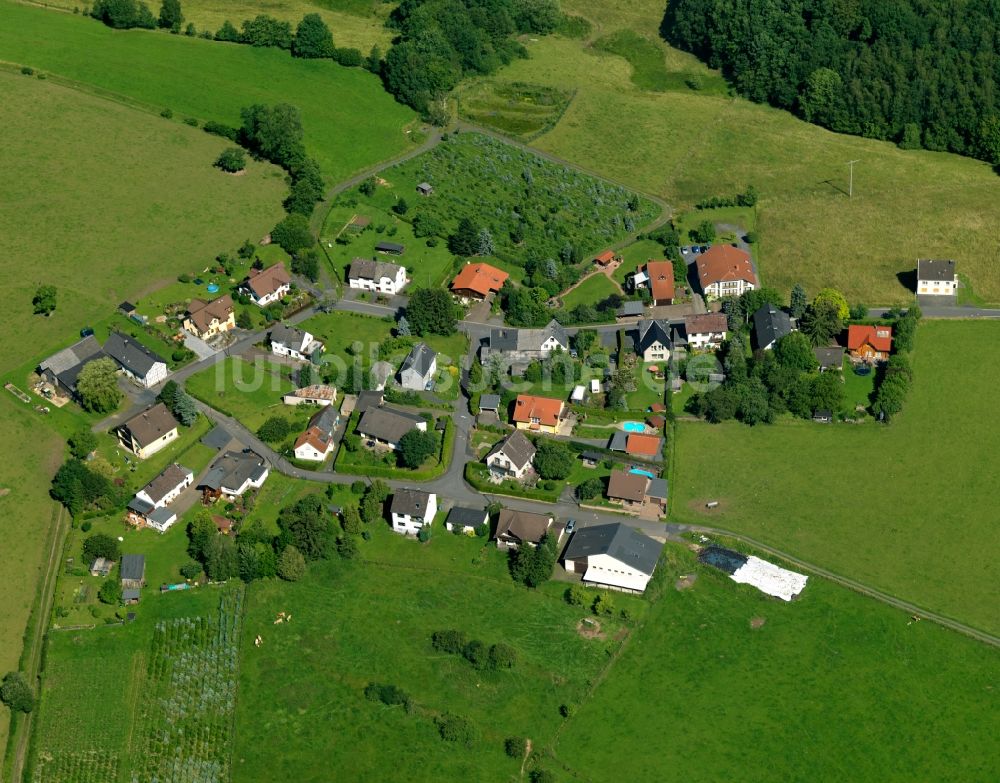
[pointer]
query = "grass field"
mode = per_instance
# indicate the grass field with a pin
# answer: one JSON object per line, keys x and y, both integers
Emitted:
{"x": 685, "y": 145}
{"x": 831, "y": 687}
{"x": 904, "y": 508}
{"x": 350, "y": 122}
{"x": 592, "y": 290}
{"x": 249, "y": 392}
{"x": 518, "y": 110}
{"x": 341, "y": 613}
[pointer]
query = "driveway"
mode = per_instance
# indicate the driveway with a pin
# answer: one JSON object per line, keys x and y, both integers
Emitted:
{"x": 201, "y": 349}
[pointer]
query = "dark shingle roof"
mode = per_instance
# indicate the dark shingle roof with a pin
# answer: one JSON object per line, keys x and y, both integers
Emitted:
{"x": 130, "y": 354}
{"x": 942, "y": 271}
{"x": 462, "y": 516}
{"x": 368, "y": 399}
{"x": 631, "y": 308}
{"x": 132, "y": 567}
{"x": 370, "y": 269}
{"x": 619, "y": 541}
{"x": 410, "y": 502}
{"x": 769, "y": 324}
{"x": 419, "y": 359}
{"x": 654, "y": 331}
{"x": 66, "y": 365}
{"x": 516, "y": 447}
{"x": 386, "y": 424}
{"x": 489, "y": 402}
{"x": 657, "y": 488}
{"x": 167, "y": 481}
{"x": 619, "y": 440}
{"x": 522, "y": 525}
{"x": 829, "y": 358}
{"x": 287, "y": 335}
{"x": 217, "y": 437}
{"x": 233, "y": 468}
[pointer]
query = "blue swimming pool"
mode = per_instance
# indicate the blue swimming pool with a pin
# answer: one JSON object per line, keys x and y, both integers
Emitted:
{"x": 212, "y": 288}
{"x": 642, "y": 472}
{"x": 633, "y": 426}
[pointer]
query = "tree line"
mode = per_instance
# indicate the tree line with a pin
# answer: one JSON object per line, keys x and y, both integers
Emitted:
{"x": 920, "y": 73}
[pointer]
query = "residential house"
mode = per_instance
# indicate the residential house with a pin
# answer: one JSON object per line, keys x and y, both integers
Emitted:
{"x": 644, "y": 446}
{"x": 234, "y": 473}
{"x": 150, "y": 506}
{"x": 217, "y": 438}
{"x": 127, "y": 309}
{"x": 411, "y": 509}
{"x": 658, "y": 276}
{"x": 207, "y": 319}
{"x": 295, "y": 343}
{"x": 936, "y": 278}
{"x": 390, "y": 248}
{"x": 101, "y": 567}
{"x": 654, "y": 343}
{"x": 627, "y": 489}
{"x": 317, "y": 394}
{"x": 520, "y": 347}
{"x": 656, "y": 493}
{"x": 387, "y": 426}
{"x": 317, "y": 443}
{"x": 135, "y": 360}
{"x": 381, "y": 277}
{"x": 706, "y": 331}
{"x": 133, "y": 572}
{"x": 425, "y": 189}
{"x": 724, "y": 270}
{"x": 869, "y": 343}
{"x": 148, "y": 432}
{"x": 419, "y": 368}
{"x": 512, "y": 457}
{"x": 591, "y": 458}
{"x": 829, "y": 359}
{"x": 466, "y": 520}
{"x": 613, "y": 556}
{"x": 605, "y": 258}
{"x": 539, "y": 414}
{"x": 266, "y": 286}
{"x": 380, "y": 373}
{"x": 521, "y": 528}
{"x": 477, "y": 281}
{"x": 62, "y": 368}
{"x": 770, "y": 324}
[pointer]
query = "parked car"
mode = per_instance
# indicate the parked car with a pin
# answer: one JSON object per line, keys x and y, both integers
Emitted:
{"x": 570, "y": 526}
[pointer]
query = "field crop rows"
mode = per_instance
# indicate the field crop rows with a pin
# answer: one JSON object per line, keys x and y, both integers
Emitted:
{"x": 189, "y": 701}
{"x": 85, "y": 766}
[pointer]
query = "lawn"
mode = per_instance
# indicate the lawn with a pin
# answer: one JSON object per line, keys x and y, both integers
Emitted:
{"x": 904, "y": 508}
{"x": 687, "y": 145}
{"x": 348, "y": 338}
{"x": 594, "y": 289}
{"x": 521, "y": 111}
{"x": 350, "y": 122}
{"x": 249, "y": 392}
{"x": 648, "y": 389}
{"x": 341, "y": 614}
{"x": 635, "y": 255}
{"x": 831, "y": 687}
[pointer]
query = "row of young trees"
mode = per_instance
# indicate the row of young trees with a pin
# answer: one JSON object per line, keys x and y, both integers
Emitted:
{"x": 923, "y": 74}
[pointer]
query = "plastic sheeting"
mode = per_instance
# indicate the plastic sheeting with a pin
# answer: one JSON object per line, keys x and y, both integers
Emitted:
{"x": 770, "y": 579}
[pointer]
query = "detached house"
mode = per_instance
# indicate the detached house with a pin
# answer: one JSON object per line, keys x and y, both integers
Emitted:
{"x": 207, "y": 319}
{"x": 477, "y": 281}
{"x": 869, "y": 343}
{"x": 266, "y": 286}
{"x": 636, "y": 491}
{"x": 614, "y": 556}
{"x": 657, "y": 340}
{"x": 296, "y": 343}
{"x": 512, "y": 457}
{"x": 706, "y": 331}
{"x": 381, "y": 277}
{"x": 387, "y": 426}
{"x": 936, "y": 278}
{"x": 150, "y": 431}
{"x": 658, "y": 276}
{"x": 63, "y": 368}
{"x": 411, "y": 509}
{"x": 150, "y": 506}
{"x": 466, "y": 520}
{"x": 520, "y": 347}
{"x": 316, "y": 443}
{"x": 135, "y": 360}
{"x": 539, "y": 414}
{"x": 521, "y": 528}
{"x": 770, "y": 324}
{"x": 232, "y": 474}
{"x": 724, "y": 270}
{"x": 419, "y": 368}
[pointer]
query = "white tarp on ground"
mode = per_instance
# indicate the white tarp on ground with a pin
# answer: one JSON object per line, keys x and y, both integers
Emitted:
{"x": 770, "y": 579}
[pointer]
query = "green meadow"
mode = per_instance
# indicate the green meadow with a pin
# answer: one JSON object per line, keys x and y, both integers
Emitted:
{"x": 906, "y": 508}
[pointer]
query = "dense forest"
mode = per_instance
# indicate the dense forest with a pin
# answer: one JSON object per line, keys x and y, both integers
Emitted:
{"x": 923, "y": 73}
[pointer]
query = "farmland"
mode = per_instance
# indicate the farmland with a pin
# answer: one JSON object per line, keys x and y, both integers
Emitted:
{"x": 521, "y": 111}
{"x": 685, "y": 144}
{"x": 898, "y": 507}
{"x": 213, "y": 81}
{"x": 149, "y": 700}
{"x": 830, "y": 687}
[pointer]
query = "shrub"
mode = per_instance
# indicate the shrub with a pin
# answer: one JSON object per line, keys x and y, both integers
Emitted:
{"x": 358, "y": 487}
{"x": 85, "y": 527}
{"x": 502, "y": 656}
{"x": 167, "y": 114}
{"x": 449, "y": 641}
{"x": 424, "y": 534}
{"x": 27, "y": 71}
{"x": 603, "y": 604}
{"x": 223, "y": 130}
{"x": 566, "y": 710}
{"x": 232, "y": 159}
{"x": 542, "y": 776}
{"x": 348, "y": 57}
{"x": 576, "y": 595}
{"x": 274, "y": 429}
{"x": 476, "y": 653}
{"x": 82, "y": 442}
{"x": 455, "y": 728}
{"x": 387, "y": 694}
{"x": 291, "y": 564}
{"x": 110, "y": 592}
{"x": 190, "y": 569}
{"x": 101, "y": 545}
{"x": 515, "y": 747}
{"x": 16, "y": 692}
{"x": 183, "y": 277}
{"x": 192, "y": 121}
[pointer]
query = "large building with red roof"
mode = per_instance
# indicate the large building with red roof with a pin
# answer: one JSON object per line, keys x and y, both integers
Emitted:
{"x": 724, "y": 270}
{"x": 477, "y": 281}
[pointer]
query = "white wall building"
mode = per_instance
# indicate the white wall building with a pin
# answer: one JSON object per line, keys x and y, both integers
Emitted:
{"x": 411, "y": 509}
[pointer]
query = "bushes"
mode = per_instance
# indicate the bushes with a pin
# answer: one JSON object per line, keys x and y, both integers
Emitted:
{"x": 747, "y": 198}
{"x": 388, "y": 694}
{"x": 101, "y": 545}
{"x": 275, "y": 429}
{"x": 231, "y": 160}
{"x": 16, "y": 693}
{"x": 515, "y": 747}
{"x": 220, "y": 129}
{"x": 110, "y": 592}
{"x": 123, "y": 14}
{"x": 449, "y": 641}
{"x": 455, "y": 728}
{"x": 496, "y": 657}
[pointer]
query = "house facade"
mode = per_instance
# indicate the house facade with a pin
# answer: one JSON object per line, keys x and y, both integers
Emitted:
{"x": 266, "y": 286}
{"x": 655, "y": 343}
{"x": 706, "y": 331}
{"x": 411, "y": 509}
{"x": 936, "y": 278}
{"x": 152, "y": 430}
{"x": 317, "y": 443}
{"x": 512, "y": 458}
{"x": 150, "y": 506}
{"x": 724, "y": 270}
{"x": 613, "y": 556}
{"x": 295, "y": 343}
{"x": 418, "y": 368}
{"x": 135, "y": 360}
{"x": 208, "y": 319}
{"x": 521, "y": 528}
{"x": 869, "y": 343}
{"x": 380, "y": 277}
{"x": 538, "y": 414}
{"x": 386, "y": 426}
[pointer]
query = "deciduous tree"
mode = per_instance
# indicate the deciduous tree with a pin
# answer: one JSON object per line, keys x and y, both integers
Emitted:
{"x": 44, "y": 300}
{"x": 97, "y": 386}
{"x": 312, "y": 38}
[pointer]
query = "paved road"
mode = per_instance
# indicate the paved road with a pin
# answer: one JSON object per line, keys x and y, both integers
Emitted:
{"x": 943, "y": 312}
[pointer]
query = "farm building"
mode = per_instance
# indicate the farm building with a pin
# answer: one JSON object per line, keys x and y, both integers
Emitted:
{"x": 614, "y": 556}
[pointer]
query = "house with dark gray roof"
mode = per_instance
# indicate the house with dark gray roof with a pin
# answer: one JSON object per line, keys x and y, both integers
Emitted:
{"x": 369, "y": 399}
{"x": 62, "y": 368}
{"x": 936, "y": 278}
{"x": 150, "y": 506}
{"x": 382, "y": 277}
{"x": 829, "y": 359}
{"x": 520, "y": 347}
{"x": 148, "y": 432}
{"x": 770, "y": 324}
{"x": 462, "y": 519}
{"x": 295, "y": 343}
{"x": 132, "y": 571}
{"x": 234, "y": 473}
{"x": 411, "y": 509}
{"x": 217, "y": 437}
{"x": 655, "y": 343}
{"x": 418, "y": 368}
{"x": 489, "y": 403}
{"x": 614, "y": 556}
{"x": 387, "y": 426}
{"x": 522, "y": 528}
{"x": 511, "y": 458}
{"x": 135, "y": 359}
{"x": 631, "y": 309}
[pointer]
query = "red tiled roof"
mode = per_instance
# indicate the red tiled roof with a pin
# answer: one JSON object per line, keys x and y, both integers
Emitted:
{"x": 315, "y": 437}
{"x": 725, "y": 262}
{"x": 661, "y": 279}
{"x": 479, "y": 278}
{"x": 644, "y": 445}
{"x": 545, "y": 409}
{"x": 878, "y": 337}
{"x": 605, "y": 258}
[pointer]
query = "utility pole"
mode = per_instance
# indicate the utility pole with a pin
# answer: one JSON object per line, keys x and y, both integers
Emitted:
{"x": 850, "y": 185}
